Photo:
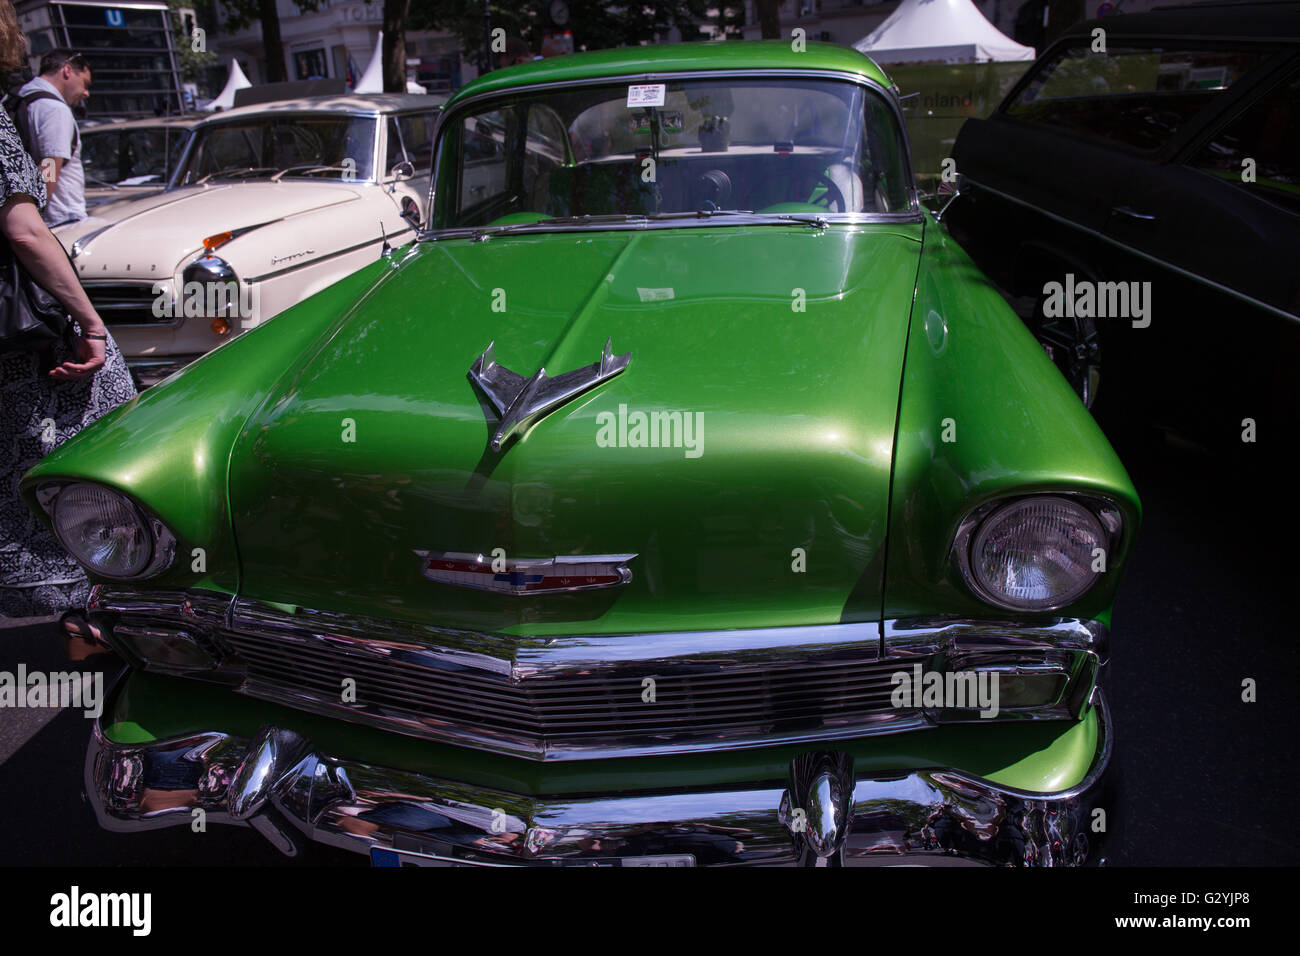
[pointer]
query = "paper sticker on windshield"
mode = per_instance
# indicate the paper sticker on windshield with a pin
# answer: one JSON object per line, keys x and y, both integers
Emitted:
{"x": 648, "y": 94}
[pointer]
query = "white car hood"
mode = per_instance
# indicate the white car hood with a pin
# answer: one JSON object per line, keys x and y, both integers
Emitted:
{"x": 151, "y": 237}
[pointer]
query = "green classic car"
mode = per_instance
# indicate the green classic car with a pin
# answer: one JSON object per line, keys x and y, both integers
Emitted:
{"x": 682, "y": 496}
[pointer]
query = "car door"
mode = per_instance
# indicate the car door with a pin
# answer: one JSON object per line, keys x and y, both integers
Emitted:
{"x": 1040, "y": 147}
{"x": 1187, "y": 205}
{"x": 1216, "y": 237}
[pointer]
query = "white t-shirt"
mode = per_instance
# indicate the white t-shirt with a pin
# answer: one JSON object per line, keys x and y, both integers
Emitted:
{"x": 53, "y": 127}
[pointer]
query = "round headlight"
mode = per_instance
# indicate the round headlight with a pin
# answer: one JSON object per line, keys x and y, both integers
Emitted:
{"x": 1036, "y": 553}
{"x": 103, "y": 530}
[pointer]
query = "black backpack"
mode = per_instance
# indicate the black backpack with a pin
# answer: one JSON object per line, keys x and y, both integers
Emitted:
{"x": 16, "y": 107}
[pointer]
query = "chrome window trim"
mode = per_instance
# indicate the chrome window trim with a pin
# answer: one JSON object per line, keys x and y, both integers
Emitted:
{"x": 913, "y": 214}
{"x": 1219, "y": 287}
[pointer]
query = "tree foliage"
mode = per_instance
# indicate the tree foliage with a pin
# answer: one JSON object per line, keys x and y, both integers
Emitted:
{"x": 596, "y": 24}
{"x": 192, "y": 62}
{"x": 244, "y": 13}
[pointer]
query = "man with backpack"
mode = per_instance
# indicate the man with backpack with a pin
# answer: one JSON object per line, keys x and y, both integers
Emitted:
{"x": 42, "y": 114}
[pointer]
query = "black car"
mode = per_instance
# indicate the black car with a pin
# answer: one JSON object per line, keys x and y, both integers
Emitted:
{"x": 1137, "y": 194}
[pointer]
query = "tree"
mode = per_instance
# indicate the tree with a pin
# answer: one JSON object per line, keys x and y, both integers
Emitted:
{"x": 396, "y": 13}
{"x": 596, "y": 24}
{"x": 193, "y": 62}
{"x": 242, "y": 13}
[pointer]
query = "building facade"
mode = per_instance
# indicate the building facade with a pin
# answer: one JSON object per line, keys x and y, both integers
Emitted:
{"x": 129, "y": 47}
{"x": 338, "y": 41}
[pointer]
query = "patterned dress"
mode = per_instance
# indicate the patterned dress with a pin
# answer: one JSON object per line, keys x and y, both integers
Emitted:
{"x": 37, "y": 577}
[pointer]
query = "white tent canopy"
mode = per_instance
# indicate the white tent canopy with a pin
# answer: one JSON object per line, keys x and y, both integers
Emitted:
{"x": 942, "y": 31}
{"x": 226, "y": 98}
{"x": 372, "y": 80}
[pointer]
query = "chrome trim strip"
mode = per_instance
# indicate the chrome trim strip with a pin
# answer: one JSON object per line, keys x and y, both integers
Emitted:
{"x": 1240, "y": 296}
{"x": 482, "y": 233}
{"x": 481, "y": 576}
{"x": 281, "y": 786}
{"x": 329, "y": 255}
{"x": 1064, "y": 633}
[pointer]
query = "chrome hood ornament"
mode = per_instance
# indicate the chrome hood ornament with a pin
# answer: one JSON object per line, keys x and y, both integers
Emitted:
{"x": 522, "y": 401}
{"x": 569, "y": 572}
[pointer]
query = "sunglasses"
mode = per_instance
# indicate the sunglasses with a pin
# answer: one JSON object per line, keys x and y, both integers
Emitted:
{"x": 77, "y": 61}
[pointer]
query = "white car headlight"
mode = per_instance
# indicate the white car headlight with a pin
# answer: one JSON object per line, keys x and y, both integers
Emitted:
{"x": 103, "y": 530}
{"x": 1035, "y": 553}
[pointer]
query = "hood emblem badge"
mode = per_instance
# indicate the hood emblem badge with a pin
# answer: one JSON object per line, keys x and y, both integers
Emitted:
{"x": 569, "y": 572}
{"x": 522, "y": 401}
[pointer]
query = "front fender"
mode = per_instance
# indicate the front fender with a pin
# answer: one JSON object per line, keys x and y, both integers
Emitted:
{"x": 983, "y": 413}
{"x": 169, "y": 448}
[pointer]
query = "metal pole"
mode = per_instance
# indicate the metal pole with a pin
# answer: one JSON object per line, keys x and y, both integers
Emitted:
{"x": 487, "y": 38}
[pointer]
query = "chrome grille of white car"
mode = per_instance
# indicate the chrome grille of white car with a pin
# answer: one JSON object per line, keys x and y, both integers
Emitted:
{"x": 126, "y": 303}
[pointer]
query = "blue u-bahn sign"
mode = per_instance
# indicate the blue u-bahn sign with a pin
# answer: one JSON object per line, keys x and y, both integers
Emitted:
{"x": 114, "y": 17}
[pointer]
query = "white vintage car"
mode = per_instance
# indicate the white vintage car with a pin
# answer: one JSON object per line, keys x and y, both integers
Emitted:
{"x": 128, "y": 160}
{"x": 268, "y": 205}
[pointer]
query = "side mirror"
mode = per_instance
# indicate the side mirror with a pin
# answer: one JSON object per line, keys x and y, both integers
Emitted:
{"x": 402, "y": 171}
{"x": 951, "y": 190}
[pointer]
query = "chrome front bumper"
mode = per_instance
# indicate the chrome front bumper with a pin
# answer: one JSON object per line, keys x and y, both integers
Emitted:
{"x": 150, "y": 370}
{"x": 824, "y": 815}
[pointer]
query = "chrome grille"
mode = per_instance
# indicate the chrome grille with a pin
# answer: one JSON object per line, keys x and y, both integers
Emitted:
{"x": 689, "y": 701}
{"x": 124, "y": 303}
{"x": 578, "y": 697}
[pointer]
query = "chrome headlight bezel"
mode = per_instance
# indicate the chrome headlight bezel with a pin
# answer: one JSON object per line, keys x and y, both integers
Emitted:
{"x": 162, "y": 540}
{"x": 1105, "y": 512}
{"x": 208, "y": 267}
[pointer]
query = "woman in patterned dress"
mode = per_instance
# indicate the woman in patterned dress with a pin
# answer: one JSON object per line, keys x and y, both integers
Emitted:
{"x": 37, "y": 577}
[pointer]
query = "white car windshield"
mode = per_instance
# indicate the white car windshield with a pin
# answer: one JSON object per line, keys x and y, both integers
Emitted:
{"x": 779, "y": 145}
{"x": 325, "y": 146}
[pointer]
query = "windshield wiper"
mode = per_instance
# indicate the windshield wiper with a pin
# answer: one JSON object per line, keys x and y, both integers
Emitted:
{"x": 102, "y": 182}
{"x": 307, "y": 168}
{"x": 810, "y": 219}
{"x": 231, "y": 170}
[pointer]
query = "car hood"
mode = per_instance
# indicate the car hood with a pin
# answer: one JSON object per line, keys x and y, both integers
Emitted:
{"x": 153, "y": 236}
{"x": 782, "y": 346}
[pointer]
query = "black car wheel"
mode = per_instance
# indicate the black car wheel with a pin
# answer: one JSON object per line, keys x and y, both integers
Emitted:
{"x": 1074, "y": 347}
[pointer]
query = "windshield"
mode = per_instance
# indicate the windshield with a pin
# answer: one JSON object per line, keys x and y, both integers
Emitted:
{"x": 333, "y": 146}
{"x": 777, "y": 145}
{"x": 131, "y": 157}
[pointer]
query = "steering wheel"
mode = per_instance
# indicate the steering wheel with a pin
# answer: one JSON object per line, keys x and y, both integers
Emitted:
{"x": 832, "y": 197}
